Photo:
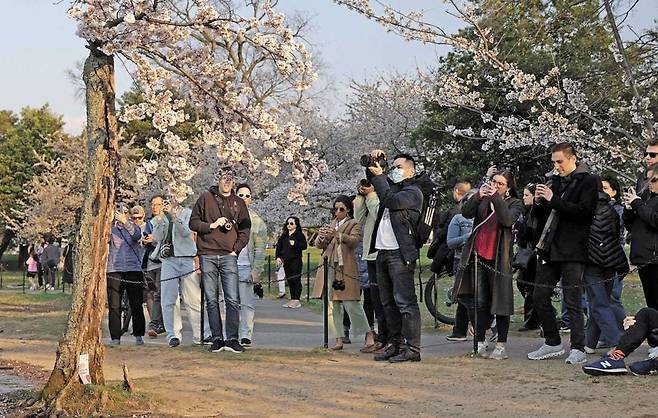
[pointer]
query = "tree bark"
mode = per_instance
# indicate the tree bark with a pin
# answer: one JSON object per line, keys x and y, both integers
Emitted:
{"x": 5, "y": 240}
{"x": 83, "y": 331}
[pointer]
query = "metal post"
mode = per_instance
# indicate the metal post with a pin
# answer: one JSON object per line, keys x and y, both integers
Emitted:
{"x": 57, "y": 275}
{"x": 269, "y": 274}
{"x": 420, "y": 279}
{"x": 325, "y": 302}
{"x": 308, "y": 276}
{"x": 475, "y": 302}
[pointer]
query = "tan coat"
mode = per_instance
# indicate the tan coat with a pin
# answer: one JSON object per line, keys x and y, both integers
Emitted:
{"x": 347, "y": 238}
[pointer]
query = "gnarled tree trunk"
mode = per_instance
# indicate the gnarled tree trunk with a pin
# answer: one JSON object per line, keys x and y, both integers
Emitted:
{"x": 5, "y": 239}
{"x": 83, "y": 332}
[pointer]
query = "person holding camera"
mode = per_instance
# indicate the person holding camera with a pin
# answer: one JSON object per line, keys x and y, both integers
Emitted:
{"x": 176, "y": 249}
{"x": 221, "y": 221}
{"x": 564, "y": 209}
{"x": 250, "y": 267}
{"x": 124, "y": 273}
{"x": 288, "y": 254}
{"x": 400, "y": 207}
{"x": 338, "y": 241}
{"x": 641, "y": 220}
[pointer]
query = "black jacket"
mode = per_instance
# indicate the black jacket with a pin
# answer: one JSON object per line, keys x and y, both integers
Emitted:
{"x": 575, "y": 211}
{"x": 604, "y": 248}
{"x": 405, "y": 203}
{"x": 439, "y": 251}
{"x": 285, "y": 251}
{"x": 642, "y": 222}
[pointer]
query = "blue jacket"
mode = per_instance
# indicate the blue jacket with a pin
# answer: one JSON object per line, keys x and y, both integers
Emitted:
{"x": 124, "y": 254}
{"x": 459, "y": 230}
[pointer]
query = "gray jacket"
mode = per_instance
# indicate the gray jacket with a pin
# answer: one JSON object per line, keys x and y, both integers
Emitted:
{"x": 182, "y": 236}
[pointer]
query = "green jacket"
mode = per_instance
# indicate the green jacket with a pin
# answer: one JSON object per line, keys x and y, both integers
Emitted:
{"x": 365, "y": 213}
{"x": 257, "y": 241}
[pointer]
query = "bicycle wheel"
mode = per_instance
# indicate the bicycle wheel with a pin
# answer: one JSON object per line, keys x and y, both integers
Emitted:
{"x": 440, "y": 288}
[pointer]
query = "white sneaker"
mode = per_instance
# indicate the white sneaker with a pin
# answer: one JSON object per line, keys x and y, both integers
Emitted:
{"x": 499, "y": 353}
{"x": 589, "y": 350}
{"x": 482, "y": 349}
{"x": 653, "y": 352}
{"x": 576, "y": 357}
{"x": 546, "y": 351}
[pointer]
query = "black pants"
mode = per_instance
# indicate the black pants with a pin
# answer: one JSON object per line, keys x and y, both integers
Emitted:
{"x": 548, "y": 275}
{"x": 134, "y": 286}
{"x": 646, "y": 322}
{"x": 649, "y": 279}
{"x": 530, "y": 317}
{"x": 293, "y": 269}
{"x": 398, "y": 294}
{"x": 376, "y": 301}
{"x": 485, "y": 282}
{"x": 461, "y": 314}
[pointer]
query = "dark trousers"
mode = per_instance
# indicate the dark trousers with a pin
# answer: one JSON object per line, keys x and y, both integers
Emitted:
{"x": 153, "y": 276}
{"x": 398, "y": 294}
{"x": 530, "y": 318}
{"x": 646, "y": 322}
{"x": 485, "y": 283}
{"x": 649, "y": 278}
{"x": 134, "y": 287}
{"x": 548, "y": 275}
{"x": 461, "y": 314}
{"x": 376, "y": 301}
{"x": 293, "y": 269}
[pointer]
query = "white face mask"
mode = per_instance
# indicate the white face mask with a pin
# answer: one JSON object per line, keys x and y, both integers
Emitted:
{"x": 397, "y": 175}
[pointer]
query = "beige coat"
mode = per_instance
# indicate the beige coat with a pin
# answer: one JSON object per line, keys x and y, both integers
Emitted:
{"x": 346, "y": 238}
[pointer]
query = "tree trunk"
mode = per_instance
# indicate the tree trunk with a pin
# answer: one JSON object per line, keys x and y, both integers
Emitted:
{"x": 83, "y": 331}
{"x": 5, "y": 240}
{"x": 22, "y": 257}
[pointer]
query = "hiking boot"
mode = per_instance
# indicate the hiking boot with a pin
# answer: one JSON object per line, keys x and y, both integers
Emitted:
{"x": 546, "y": 351}
{"x": 576, "y": 357}
{"x": 405, "y": 355}
{"x": 139, "y": 341}
{"x": 456, "y": 338}
{"x": 217, "y": 346}
{"x": 245, "y": 342}
{"x": 499, "y": 353}
{"x": 174, "y": 342}
{"x": 604, "y": 366}
{"x": 391, "y": 351}
{"x": 234, "y": 346}
{"x": 644, "y": 367}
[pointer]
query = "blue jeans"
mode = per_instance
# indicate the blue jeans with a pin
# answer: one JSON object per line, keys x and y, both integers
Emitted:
{"x": 602, "y": 324}
{"x": 220, "y": 272}
{"x": 615, "y": 302}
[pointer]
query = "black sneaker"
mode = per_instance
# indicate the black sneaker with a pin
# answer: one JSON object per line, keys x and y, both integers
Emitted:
{"x": 405, "y": 355}
{"x": 234, "y": 346}
{"x": 245, "y": 342}
{"x": 174, "y": 342}
{"x": 391, "y": 351}
{"x": 217, "y": 346}
{"x": 456, "y": 337}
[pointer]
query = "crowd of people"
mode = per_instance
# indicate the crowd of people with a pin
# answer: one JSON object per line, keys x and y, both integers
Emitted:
{"x": 565, "y": 231}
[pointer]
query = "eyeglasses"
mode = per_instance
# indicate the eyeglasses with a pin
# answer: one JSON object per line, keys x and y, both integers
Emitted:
{"x": 244, "y": 196}
{"x": 340, "y": 209}
{"x": 650, "y": 154}
{"x": 292, "y": 224}
{"x": 498, "y": 183}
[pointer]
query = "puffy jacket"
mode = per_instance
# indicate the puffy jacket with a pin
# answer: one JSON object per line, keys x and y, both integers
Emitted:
{"x": 641, "y": 220}
{"x": 604, "y": 248}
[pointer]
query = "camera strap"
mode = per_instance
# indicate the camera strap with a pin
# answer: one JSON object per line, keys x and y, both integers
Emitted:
{"x": 220, "y": 206}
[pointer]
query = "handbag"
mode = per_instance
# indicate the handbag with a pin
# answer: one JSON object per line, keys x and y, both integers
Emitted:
{"x": 521, "y": 259}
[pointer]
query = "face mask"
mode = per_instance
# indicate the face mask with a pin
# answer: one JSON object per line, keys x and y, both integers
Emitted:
{"x": 397, "y": 175}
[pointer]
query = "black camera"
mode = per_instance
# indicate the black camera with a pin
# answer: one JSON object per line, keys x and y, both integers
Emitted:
{"x": 367, "y": 161}
{"x": 338, "y": 284}
{"x": 364, "y": 183}
{"x": 226, "y": 227}
{"x": 258, "y": 290}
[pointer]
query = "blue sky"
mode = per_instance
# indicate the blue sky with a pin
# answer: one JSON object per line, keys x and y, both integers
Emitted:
{"x": 36, "y": 58}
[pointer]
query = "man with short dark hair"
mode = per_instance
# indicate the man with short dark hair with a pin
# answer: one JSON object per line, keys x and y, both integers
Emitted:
{"x": 650, "y": 157}
{"x": 564, "y": 210}
{"x": 222, "y": 223}
{"x": 400, "y": 206}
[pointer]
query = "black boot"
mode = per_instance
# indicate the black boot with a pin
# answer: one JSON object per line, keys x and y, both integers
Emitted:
{"x": 405, "y": 355}
{"x": 391, "y": 351}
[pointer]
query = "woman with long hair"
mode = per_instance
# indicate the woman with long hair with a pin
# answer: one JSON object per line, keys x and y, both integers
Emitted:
{"x": 289, "y": 248}
{"x": 495, "y": 208}
{"x": 338, "y": 241}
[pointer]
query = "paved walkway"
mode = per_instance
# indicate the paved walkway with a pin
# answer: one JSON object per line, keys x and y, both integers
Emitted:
{"x": 301, "y": 329}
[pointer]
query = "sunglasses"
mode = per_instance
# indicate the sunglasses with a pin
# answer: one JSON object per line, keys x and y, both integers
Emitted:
{"x": 292, "y": 224}
{"x": 340, "y": 209}
{"x": 652, "y": 179}
{"x": 137, "y": 217}
{"x": 244, "y": 196}
{"x": 650, "y": 154}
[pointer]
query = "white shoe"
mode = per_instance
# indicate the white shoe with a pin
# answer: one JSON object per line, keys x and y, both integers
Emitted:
{"x": 589, "y": 350}
{"x": 653, "y": 352}
{"x": 576, "y": 357}
{"x": 482, "y": 349}
{"x": 499, "y": 353}
{"x": 546, "y": 351}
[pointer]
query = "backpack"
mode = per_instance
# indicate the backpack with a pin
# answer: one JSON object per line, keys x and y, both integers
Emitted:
{"x": 428, "y": 217}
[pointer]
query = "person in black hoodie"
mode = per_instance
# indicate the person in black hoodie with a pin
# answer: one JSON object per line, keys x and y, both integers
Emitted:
{"x": 607, "y": 260}
{"x": 641, "y": 220}
{"x": 564, "y": 212}
{"x": 400, "y": 207}
{"x": 222, "y": 223}
{"x": 288, "y": 254}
